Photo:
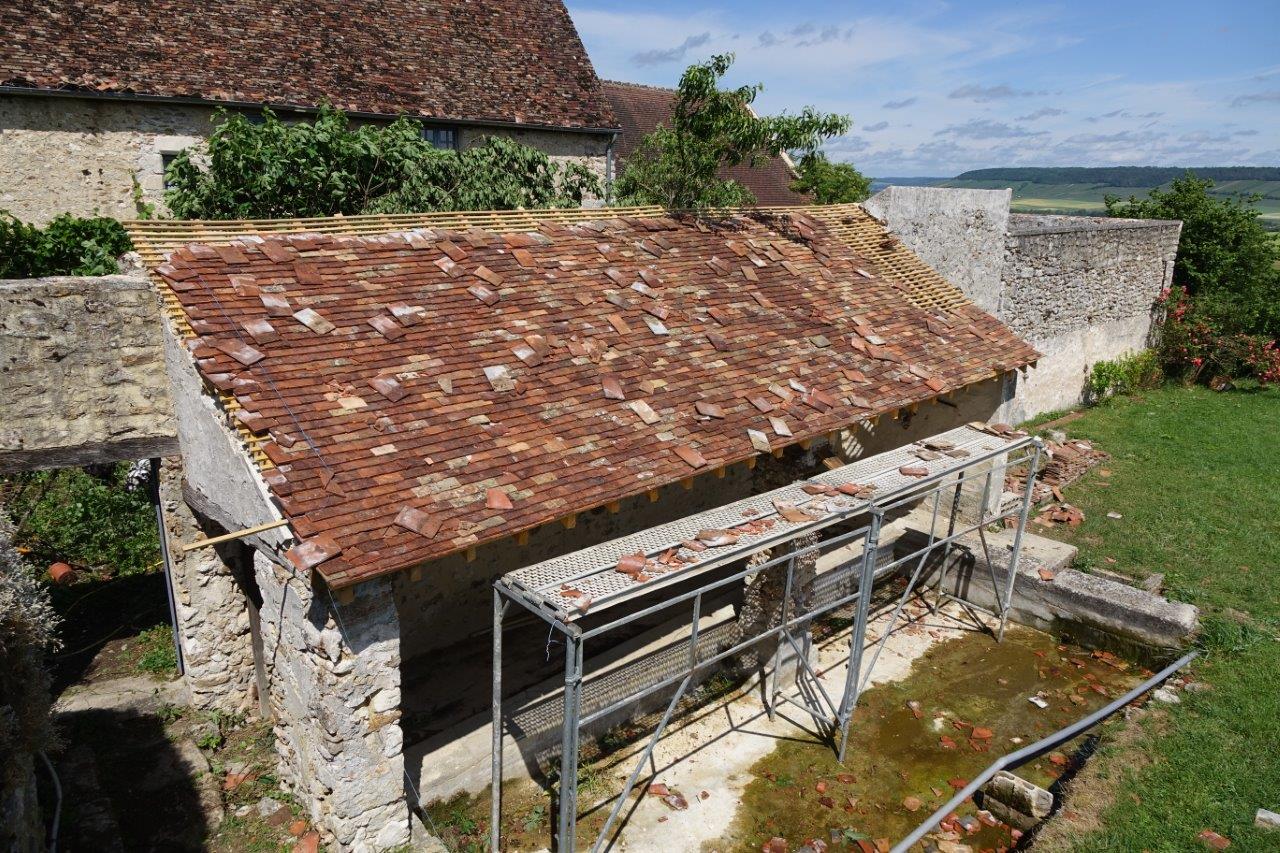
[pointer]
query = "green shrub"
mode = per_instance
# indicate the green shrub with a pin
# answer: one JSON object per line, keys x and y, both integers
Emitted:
{"x": 89, "y": 520}
{"x": 1124, "y": 375}
{"x": 325, "y": 167}
{"x": 1201, "y": 341}
{"x": 69, "y": 245}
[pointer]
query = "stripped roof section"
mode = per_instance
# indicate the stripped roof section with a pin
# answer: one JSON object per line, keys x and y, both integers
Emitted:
{"x": 640, "y": 109}
{"x": 427, "y": 391}
{"x": 516, "y": 61}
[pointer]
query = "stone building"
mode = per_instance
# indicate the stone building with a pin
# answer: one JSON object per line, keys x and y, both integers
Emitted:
{"x": 1081, "y": 289}
{"x": 640, "y": 109}
{"x": 95, "y": 98}
{"x": 393, "y": 419}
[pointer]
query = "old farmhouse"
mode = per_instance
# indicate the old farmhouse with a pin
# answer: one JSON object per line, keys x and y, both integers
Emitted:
{"x": 96, "y": 99}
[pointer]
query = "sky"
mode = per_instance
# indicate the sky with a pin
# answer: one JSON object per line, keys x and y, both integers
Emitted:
{"x": 937, "y": 88}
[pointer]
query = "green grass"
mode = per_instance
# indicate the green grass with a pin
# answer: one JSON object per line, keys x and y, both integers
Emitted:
{"x": 1087, "y": 198}
{"x": 1194, "y": 475}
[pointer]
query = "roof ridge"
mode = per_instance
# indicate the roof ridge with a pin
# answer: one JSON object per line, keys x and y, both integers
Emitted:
{"x": 672, "y": 90}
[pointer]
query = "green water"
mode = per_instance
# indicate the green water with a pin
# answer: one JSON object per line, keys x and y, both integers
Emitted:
{"x": 893, "y": 755}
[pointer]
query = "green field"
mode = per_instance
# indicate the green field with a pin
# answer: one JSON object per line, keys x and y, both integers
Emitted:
{"x": 1087, "y": 198}
{"x": 1078, "y": 190}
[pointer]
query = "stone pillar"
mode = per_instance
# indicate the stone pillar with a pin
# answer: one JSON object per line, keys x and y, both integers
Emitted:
{"x": 334, "y": 676}
{"x": 213, "y": 610}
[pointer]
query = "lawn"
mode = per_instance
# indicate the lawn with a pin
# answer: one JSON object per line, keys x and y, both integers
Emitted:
{"x": 1196, "y": 481}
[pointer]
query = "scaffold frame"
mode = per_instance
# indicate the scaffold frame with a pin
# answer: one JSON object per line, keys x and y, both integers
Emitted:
{"x": 964, "y": 455}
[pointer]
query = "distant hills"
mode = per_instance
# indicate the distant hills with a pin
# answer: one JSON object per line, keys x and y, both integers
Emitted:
{"x": 1081, "y": 189}
{"x": 1119, "y": 176}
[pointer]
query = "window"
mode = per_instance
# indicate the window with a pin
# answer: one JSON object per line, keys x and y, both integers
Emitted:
{"x": 441, "y": 137}
{"x": 166, "y": 160}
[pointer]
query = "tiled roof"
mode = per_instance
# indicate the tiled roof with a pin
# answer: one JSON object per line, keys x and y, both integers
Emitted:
{"x": 640, "y": 109}
{"x": 518, "y": 61}
{"x": 426, "y": 391}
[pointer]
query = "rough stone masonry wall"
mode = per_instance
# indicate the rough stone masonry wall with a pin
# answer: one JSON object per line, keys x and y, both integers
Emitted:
{"x": 960, "y": 233}
{"x": 83, "y": 155}
{"x": 332, "y": 671}
{"x": 213, "y": 616}
{"x": 334, "y": 675}
{"x": 1081, "y": 290}
{"x": 81, "y": 373}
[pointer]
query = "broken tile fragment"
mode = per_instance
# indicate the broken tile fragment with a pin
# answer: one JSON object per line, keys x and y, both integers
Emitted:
{"x": 497, "y": 499}
{"x": 388, "y": 387}
{"x": 312, "y": 319}
{"x": 708, "y": 410}
{"x": 309, "y": 553}
{"x": 612, "y": 388}
{"x": 261, "y": 330}
{"x": 691, "y": 456}
{"x": 385, "y": 326}
{"x": 276, "y": 305}
{"x": 484, "y": 294}
{"x": 500, "y": 377}
{"x": 646, "y": 413}
{"x": 240, "y": 351}
{"x": 759, "y": 440}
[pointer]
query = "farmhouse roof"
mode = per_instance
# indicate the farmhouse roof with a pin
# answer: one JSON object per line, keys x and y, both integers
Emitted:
{"x": 425, "y": 391}
{"x": 511, "y": 62}
{"x": 640, "y": 109}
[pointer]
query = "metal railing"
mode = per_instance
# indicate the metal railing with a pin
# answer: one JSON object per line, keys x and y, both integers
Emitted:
{"x": 946, "y": 480}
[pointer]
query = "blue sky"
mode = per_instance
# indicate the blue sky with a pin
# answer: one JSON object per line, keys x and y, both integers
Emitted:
{"x": 936, "y": 88}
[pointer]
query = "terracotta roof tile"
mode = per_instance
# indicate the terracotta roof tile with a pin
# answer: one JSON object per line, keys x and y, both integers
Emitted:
{"x": 537, "y": 370}
{"x": 515, "y": 61}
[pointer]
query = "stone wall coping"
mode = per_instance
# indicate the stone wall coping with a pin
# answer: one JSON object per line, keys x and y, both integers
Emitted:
{"x": 1033, "y": 224}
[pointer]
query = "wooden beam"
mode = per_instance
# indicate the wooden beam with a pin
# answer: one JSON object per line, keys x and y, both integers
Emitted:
{"x": 653, "y": 496}
{"x": 570, "y": 521}
{"x": 415, "y": 574}
{"x": 687, "y": 483}
{"x": 614, "y": 507}
{"x": 471, "y": 554}
{"x": 751, "y": 463}
{"x": 720, "y": 472}
{"x": 522, "y": 538}
{"x": 227, "y": 537}
{"x": 346, "y": 595}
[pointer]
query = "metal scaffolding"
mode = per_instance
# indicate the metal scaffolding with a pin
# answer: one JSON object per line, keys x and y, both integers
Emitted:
{"x": 555, "y": 590}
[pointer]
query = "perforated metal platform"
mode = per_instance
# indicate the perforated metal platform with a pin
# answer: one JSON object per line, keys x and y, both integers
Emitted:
{"x": 592, "y": 572}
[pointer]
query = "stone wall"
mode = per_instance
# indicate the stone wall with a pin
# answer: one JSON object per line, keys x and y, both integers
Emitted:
{"x": 1082, "y": 290}
{"x": 83, "y": 155}
{"x": 331, "y": 672}
{"x": 960, "y": 233}
{"x": 81, "y": 373}
{"x": 334, "y": 687}
{"x": 212, "y": 606}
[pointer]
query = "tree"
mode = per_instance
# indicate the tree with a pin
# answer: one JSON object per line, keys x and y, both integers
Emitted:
{"x": 325, "y": 167}
{"x": 678, "y": 165}
{"x": 1226, "y": 261}
{"x": 830, "y": 183}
